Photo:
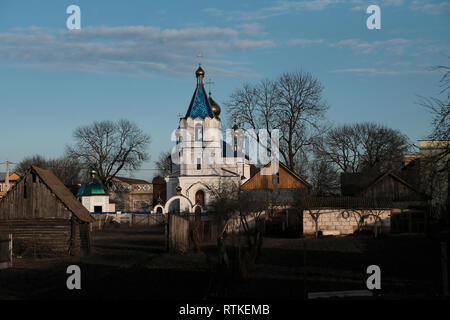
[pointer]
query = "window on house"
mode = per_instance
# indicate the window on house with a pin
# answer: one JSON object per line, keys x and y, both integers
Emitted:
{"x": 278, "y": 177}
{"x": 199, "y": 165}
{"x": 34, "y": 177}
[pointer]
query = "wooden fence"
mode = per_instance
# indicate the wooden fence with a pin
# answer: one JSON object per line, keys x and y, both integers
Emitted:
{"x": 186, "y": 232}
{"x": 6, "y": 260}
{"x": 130, "y": 219}
{"x": 178, "y": 231}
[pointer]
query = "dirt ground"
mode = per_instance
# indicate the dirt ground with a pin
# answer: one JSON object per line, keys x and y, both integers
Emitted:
{"x": 131, "y": 263}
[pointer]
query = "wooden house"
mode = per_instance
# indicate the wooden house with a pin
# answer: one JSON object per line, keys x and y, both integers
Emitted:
{"x": 409, "y": 205}
{"x": 13, "y": 177}
{"x": 284, "y": 178}
{"x": 44, "y": 216}
{"x": 283, "y": 187}
{"x": 383, "y": 186}
{"x": 132, "y": 194}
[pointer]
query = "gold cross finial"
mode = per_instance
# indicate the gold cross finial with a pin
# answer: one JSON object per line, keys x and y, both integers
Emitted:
{"x": 210, "y": 83}
{"x": 200, "y": 56}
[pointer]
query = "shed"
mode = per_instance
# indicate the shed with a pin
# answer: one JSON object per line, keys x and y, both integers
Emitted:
{"x": 44, "y": 216}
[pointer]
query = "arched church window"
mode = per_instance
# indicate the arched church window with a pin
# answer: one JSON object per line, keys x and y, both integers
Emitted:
{"x": 198, "y": 132}
{"x": 200, "y": 198}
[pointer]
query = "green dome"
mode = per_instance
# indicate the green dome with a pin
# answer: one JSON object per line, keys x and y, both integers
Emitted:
{"x": 92, "y": 189}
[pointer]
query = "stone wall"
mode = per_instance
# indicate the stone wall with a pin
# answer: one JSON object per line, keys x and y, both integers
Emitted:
{"x": 333, "y": 222}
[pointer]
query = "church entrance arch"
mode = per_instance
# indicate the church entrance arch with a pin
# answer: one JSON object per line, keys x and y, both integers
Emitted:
{"x": 178, "y": 204}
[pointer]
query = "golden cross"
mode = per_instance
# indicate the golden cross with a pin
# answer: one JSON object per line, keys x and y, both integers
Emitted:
{"x": 210, "y": 83}
{"x": 200, "y": 56}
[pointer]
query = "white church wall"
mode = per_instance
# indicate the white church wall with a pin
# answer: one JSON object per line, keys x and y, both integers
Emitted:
{"x": 90, "y": 202}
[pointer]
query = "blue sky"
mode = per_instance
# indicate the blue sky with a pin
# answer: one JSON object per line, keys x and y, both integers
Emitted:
{"x": 136, "y": 60}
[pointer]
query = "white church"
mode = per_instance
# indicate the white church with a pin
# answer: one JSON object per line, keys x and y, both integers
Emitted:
{"x": 204, "y": 157}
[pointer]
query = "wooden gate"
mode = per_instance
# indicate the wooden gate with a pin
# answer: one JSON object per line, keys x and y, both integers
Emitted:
{"x": 5, "y": 251}
{"x": 178, "y": 234}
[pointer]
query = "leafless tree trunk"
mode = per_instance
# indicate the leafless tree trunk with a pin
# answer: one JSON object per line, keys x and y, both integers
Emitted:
{"x": 292, "y": 103}
{"x": 108, "y": 147}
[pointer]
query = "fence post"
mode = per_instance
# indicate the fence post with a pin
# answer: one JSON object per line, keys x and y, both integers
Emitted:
{"x": 10, "y": 238}
{"x": 167, "y": 230}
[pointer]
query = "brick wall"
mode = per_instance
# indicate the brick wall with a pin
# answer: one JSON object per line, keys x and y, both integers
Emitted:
{"x": 333, "y": 222}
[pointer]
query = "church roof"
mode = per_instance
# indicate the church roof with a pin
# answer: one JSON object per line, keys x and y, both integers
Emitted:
{"x": 93, "y": 188}
{"x": 199, "y": 106}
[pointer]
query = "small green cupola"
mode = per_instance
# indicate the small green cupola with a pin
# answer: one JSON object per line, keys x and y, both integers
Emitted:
{"x": 93, "y": 188}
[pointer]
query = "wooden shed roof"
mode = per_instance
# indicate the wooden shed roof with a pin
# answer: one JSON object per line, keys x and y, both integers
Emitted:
{"x": 281, "y": 166}
{"x": 63, "y": 194}
{"x": 354, "y": 184}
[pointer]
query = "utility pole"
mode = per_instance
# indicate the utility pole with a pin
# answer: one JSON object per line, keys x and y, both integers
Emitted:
{"x": 7, "y": 177}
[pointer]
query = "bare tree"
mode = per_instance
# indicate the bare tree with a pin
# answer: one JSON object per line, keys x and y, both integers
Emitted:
{"x": 67, "y": 169}
{"x": 440, "y": 109}
{"x": 312, "y": 206}
{"x": 435, "y": 162}
{"x": 363, "y": 147}
{"x": 164, "y": 163}
{"x": 247, "y": 207}
{"x": 292, "y": 104}
{"x": 324, "y": 178}
{"x": 362, "y": 217}
{"x": 108, "y": 147}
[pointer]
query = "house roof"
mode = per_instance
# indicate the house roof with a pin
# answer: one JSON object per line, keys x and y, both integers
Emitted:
{"x": 131, "y": 180}
{"x": 63, "y": 194}
{"x": 3, "y": 176}
{"x": 292, "y": 173}
{"x": 354, "y": 184}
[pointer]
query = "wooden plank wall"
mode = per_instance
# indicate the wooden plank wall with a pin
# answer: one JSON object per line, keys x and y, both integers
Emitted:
{"x": 39, "y": 221}
{"x": 392, "y": 189}
{"x": 39, "y": 202}
{"x": 5, "y": 251}
{"x": 38, "y": 236}
{"x": 287, "y": 181}
{"x": 178, "y": 236}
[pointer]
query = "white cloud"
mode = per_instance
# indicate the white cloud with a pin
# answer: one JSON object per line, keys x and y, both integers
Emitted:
{"x": 393, "y": 46}
{"x": 430, "y": 6}
{"x": 374, "y": 71}
{"x": 280, "y": 8}
{"x": 143, "y": 50}
{"x": 305, "y": 42}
